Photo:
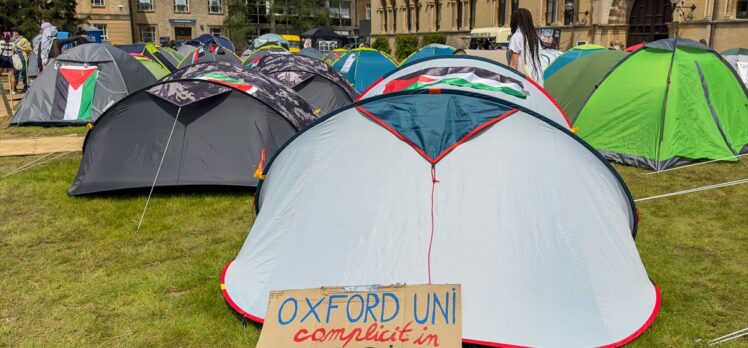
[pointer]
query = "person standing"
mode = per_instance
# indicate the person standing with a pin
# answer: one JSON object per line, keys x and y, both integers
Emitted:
{"x": 23, "y": 49}
{"x": 524, "y": 46}
{"x": 7, "y": 51}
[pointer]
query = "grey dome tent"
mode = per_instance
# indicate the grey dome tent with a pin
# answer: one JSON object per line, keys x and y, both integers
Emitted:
{"x": 311, "y": 52}
{"x": 456, "y": 187}
{"x": 80, "y": 85}
{"x": 319, "y": 84}
{"x": 218, "y": 120}
{"x": 203, "y": 55}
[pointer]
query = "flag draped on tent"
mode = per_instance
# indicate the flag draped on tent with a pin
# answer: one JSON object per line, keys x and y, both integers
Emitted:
{"x": 74, "y": 92}
{"x": 463, "y": 77}
{"x": 229, "y": 81}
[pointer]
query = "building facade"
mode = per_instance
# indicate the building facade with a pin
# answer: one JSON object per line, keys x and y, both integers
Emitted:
{"x": 163, "y": 20}
{"x": 721, "y": 23}
{"x": 111, "y": 16}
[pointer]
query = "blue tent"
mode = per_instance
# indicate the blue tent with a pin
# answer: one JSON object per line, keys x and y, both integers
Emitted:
{"x": 570, "y": 56}
{"x": 207, "y": 38}
{"x": 430, "y": 51}
{"x": 363, "y": 66}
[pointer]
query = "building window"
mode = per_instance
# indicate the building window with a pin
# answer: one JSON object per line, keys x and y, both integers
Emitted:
{"x": 216, "y": 31}
{"x": 394, "y": 19}
{"x": 473, "y": 5}
{"x": 368, "y": 11}
{"x": 410, "y": 17}
{"x": 515, "y": 5}
{"x": 104, "y": 33}
{"x": 145, "y": 5}
{"x": 459, "y": 14}
{"x": 568, "y": 12}
{"x": 97, "y": 3}
{"x": 502, "y": 13}
{"x": 148, "y": 33}
{"x": 550, "y": 12}
{"x": 438, "y": 14}
{"x": 340, "y": 12}
{"x": 214, "y": 6}
{"x": 742, "y": 7}
{"x": 181, "y": 6}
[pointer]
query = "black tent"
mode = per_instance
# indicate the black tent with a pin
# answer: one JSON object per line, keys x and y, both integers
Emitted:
{"x": 323, "y": 34}
{"x": 213, "y": 124}
{"x": 316, "y": 81}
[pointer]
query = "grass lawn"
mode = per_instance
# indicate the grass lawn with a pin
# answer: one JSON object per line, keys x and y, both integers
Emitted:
{"x": 74, "y": 272}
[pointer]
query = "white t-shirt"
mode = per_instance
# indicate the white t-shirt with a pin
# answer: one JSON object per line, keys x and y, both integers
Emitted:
{"x": 517, "y": 46}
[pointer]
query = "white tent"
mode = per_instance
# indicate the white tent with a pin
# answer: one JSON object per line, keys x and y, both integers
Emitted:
{"x": 474, "y": 74}
{"x": 416, "y": 187}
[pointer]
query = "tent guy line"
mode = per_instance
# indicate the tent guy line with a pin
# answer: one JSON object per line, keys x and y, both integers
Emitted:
{"x": 697, "y": 189}
{"x": 166, "y": 148}
{"x": 32, "y": 164}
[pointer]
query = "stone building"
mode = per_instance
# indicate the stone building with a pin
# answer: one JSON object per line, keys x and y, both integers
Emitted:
{"x": 111, "y": 16}
{"x": 721, "y": 23}
{"x": 161, "y": 20}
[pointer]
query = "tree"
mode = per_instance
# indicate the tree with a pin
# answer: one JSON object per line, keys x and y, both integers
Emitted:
{"x": 238, "y": 25}
{"x": 305, "y": 14}
{"x": 405, "y": 45}
{"x": 29, "y": 14}
{"x": 381, "y": 43}
{"x": 433, "y": 39}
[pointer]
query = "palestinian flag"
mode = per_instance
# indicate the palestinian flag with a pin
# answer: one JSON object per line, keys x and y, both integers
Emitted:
{"x": 467, "y": 77}
{"x": 229, "y": 81}
{"x": 74, "y": 92}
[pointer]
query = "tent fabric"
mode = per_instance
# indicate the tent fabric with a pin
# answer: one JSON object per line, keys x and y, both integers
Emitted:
{"x": 635, "y": 47}
{"x": 429, "y": 51}
{"x": 200, "y": 55}
{"x": 525, "y": 264}
{"x": 218, "y": 141}
{"x": 118, "y": 75}
{"x": 513, "y": 86}
{"x": 250, "y": 58}
{"x": 270, "y": 38}
{"x": 150, "y": 51}
{"x": 659, "y": 108}
{"x": 311, "y": 52}
{"x": 207, "y": 39}
{"x": 332, "y": 56}
{"x": 570, "y": 56}
{"x": 576, "y": 81}
{"x": 284, "y": 100}
{"x": 363, "y": 66}
{"x": 735, "y": 55}
{"x": 157, "y": 70}
{"x": 317, "y": 82}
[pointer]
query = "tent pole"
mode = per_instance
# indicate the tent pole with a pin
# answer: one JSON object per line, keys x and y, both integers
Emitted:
{"x": 664, "y": 105}
{"x": 158, "y": 171}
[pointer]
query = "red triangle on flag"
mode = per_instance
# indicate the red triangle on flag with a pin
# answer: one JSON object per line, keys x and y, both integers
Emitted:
{"x": 76, "y": 76}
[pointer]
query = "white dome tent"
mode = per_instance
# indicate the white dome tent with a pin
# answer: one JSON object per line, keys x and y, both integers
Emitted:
{"x": 474, "y": 74}
{"x": 456, "y": 187}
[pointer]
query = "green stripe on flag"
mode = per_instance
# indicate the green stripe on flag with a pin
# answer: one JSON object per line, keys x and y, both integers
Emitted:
{"x": 460, "y": 82}
{"x": 86, "y": 108}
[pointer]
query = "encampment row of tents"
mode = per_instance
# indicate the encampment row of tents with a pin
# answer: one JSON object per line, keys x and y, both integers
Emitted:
{"x": 468, "y": 164}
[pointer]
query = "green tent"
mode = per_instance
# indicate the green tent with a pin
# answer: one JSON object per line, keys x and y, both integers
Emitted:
{"x": 157, "y": 70}
{"x": 573, "y": 84}
{"x": 671, "y": 102}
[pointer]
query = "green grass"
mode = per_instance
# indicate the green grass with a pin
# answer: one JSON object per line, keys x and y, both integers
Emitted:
{"x": 32, "y": 131}
{"x": 75, "y": 273}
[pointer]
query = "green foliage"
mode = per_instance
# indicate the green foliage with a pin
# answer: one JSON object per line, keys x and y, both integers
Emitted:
{"x": 383, "y": 44}
{"x": 303, "y": 14}
{"x": 238, "y": 25}
{"x": 405, "y": 45}
{"x": 433, "y": 39}
{"x": 29, "y": 14}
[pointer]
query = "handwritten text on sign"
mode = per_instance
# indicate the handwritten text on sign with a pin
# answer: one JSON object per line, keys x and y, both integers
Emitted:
{"x": 389, "y": 316}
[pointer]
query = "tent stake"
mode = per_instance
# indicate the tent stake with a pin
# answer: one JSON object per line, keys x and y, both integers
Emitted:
{"x": 158, "y": 171}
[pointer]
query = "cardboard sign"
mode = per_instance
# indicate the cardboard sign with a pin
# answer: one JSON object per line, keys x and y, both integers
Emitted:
{"x": 364, "y": 317}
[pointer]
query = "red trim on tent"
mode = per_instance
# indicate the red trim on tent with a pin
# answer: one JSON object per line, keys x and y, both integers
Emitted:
{"x": 491, "y": 344}
{"x": 644, "y": 327}
{"x": 635, "y": 47}
{"x": 553, "y": 100}
{"x": 230, "y": 301}
{"x": 447, "y": 150}
{"x": 369, "y": 88}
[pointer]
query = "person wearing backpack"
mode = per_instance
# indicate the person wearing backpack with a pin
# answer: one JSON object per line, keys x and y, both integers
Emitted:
{"x": 7, "y": 50}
